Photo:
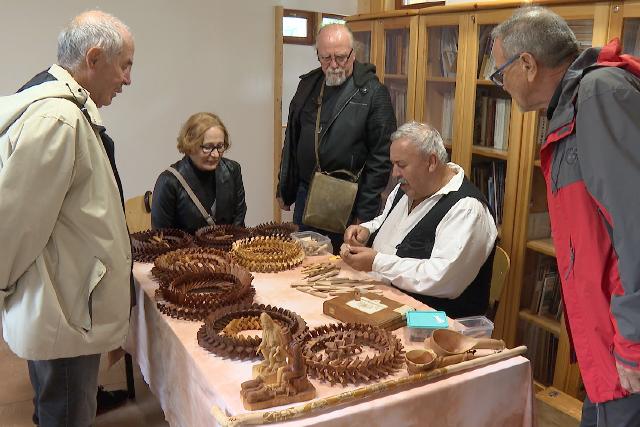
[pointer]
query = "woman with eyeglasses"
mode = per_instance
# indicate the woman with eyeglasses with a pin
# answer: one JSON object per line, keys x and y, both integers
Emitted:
{"x": 215, "y": 181}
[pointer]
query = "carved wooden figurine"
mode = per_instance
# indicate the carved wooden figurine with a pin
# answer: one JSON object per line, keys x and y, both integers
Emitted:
{"x": 282, "y": 377}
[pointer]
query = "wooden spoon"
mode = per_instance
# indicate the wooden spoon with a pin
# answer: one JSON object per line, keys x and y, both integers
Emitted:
{"x": 446, "y": 342}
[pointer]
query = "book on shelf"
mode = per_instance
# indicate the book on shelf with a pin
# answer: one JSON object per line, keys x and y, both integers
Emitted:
{"x": 583, "y": 30}
{"x": 542, "y": 350}
{"x": 547, "y": 292}
{"x": 538, "y": 226}
{"x": 449, "y": 52}
{"x": 489, "y": 177}
{"x": 485, "y": 60}
{"x": 447, "y": 116}
{"x": 492, "y": 121}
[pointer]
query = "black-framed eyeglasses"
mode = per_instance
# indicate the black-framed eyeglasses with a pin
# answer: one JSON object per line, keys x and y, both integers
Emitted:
{"x": 498, "y": 75}
{"x": 208, "y": 149}
{"x": 340, "y": 59}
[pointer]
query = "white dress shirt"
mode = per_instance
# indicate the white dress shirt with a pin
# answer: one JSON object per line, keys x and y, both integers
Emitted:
{"x": 464, "y": 239}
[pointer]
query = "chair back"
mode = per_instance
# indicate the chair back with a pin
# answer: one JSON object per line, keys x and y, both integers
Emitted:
{"x": 137, "y": 210}
{"x": 501, "y": 264}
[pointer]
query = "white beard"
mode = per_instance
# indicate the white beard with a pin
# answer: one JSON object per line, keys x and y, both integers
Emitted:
{"x": 335, "y": 77}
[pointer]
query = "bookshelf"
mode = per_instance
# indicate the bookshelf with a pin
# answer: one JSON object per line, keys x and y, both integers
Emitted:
{"x": 491, "y": 150}
{"x": 451, "y": 88}
{"x": 397, "y": 41}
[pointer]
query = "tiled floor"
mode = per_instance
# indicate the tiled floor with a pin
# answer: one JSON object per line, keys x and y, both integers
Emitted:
{"x": 16, "y": 407}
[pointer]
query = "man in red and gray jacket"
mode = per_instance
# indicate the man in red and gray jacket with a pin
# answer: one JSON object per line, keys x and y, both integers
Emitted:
{"x": 591, "y": 163}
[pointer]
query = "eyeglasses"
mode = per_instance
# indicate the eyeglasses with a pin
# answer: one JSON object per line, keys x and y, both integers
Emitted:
{"x": 340, "y": 59}
{"x": 498, "y": 75}
{"x": 208, "y": 149}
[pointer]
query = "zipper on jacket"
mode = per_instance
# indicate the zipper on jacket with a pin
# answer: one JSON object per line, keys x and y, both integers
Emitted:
{"x": 572, "y": 257}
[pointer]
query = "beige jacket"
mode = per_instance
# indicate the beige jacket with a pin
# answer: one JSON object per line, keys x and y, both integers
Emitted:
{"x": 64, "y": 249}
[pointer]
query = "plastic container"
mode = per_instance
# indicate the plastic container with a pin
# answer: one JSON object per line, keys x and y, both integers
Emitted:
{"x": 475, "y": 326}
{"x": 421, "y": 324}
{"x": 313, "y": 243}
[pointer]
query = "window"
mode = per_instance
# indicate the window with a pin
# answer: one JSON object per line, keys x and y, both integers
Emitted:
{"x": 417, "y": 4}
{"x": 298, "y": 26}
{"x": 329, "y": 18}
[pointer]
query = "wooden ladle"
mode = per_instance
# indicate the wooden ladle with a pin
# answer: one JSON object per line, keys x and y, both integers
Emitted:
{"x": 426, "y": 360}
{"x": 446, "y": 342}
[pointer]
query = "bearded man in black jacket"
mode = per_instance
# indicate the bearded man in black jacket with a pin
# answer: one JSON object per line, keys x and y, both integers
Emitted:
{"x": 355, "y": 122}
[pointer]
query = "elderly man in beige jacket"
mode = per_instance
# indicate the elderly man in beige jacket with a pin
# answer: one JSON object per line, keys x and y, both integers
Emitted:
{"x": 66, "y": 257}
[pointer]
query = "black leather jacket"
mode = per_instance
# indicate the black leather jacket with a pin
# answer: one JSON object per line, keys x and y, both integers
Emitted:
{"x": 172, "y": 207}
{"x": 357, "y": 134}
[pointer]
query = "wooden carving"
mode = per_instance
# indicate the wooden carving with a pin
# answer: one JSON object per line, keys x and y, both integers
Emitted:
{"x": 192, "y": 296}
{"x": 267, "y": 254}
{"x": 189, "y": 260}
{"x": 147, "y": 245}
{"x": 275, "y": 229}
{"x": 221, "y": 332}
{"x": 281, "y": 378}
{"x": 221, "y": 237}
{"x": 336, "y": 353}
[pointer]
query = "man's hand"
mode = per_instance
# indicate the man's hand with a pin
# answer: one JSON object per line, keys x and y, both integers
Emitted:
{"x": 629, "y": 378}
{"x": 282, "y": 205}
{"x": 356, "y": 235}
{"x": 358, "y": 257}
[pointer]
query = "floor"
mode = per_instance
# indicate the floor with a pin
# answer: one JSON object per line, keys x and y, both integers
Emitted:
{"x": 16, "y": 393}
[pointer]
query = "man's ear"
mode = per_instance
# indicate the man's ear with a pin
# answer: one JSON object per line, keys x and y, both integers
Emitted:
{"x": 93, "y": 56}
{"x": 433, "y": 162}
{"x": 530, "y": 65}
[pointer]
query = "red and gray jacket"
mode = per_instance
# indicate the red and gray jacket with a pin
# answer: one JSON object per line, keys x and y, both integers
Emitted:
{"x": 591, "y": 163}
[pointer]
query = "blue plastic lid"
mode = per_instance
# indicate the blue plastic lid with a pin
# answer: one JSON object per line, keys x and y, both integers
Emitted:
{"x": 427, "y": 319}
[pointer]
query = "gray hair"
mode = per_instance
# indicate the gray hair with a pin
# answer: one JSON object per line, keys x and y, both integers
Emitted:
{"x": 343, "y": 26}
{"x": 87, "y": 30}
{"x": 540, "y": 32}
{"x": 423, "y": 136}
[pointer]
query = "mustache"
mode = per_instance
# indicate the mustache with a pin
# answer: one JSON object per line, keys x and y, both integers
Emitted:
{"x": 402, "y": 181}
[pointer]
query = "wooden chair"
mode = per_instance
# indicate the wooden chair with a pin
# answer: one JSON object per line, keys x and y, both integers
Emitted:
{"x": 501, "y": 264}
{"x": 138, "y": 212}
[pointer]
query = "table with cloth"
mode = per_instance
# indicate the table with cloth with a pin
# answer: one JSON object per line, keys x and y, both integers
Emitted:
{"x": 188, "y": 380}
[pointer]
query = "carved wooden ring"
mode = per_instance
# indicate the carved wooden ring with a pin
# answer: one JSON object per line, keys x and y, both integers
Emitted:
{"x": 267, "y": 254}
{"x": 215, "y": 337}
{"x": 193, "y": 296}
{"x": 220, "y": 237}
{"x": 169, "y": 266}
{"x": 351, "y": 368}
{"x": 147, "y": 245}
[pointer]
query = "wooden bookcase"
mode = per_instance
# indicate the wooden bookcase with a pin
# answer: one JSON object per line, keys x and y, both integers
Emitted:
{"x": 449, "y": 89}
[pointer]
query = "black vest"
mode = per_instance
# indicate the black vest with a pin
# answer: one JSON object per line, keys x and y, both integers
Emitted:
{"x": 419, "y": 242}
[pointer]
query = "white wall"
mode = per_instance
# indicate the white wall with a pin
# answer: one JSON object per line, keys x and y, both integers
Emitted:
{"x": 192, "y": 55}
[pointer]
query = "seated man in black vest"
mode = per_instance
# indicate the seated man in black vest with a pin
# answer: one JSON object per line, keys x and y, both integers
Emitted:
{"x": 435, "y": 239}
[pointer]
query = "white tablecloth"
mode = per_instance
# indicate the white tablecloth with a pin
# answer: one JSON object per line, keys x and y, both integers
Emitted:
{"x": 188, "y": 380}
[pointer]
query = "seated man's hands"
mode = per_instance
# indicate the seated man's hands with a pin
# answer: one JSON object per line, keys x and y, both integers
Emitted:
{"x": 358, "y": 257}
{"x": 356, "y": 235}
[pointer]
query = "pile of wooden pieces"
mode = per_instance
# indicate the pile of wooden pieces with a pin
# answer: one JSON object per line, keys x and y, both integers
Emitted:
{"x": 322, "y": 280}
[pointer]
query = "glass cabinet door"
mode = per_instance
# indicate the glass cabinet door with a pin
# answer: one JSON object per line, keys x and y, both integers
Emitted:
{"x": 363, "y": 40}
{"x": 440, "y": 80}
{"x": 399, "y": 64}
